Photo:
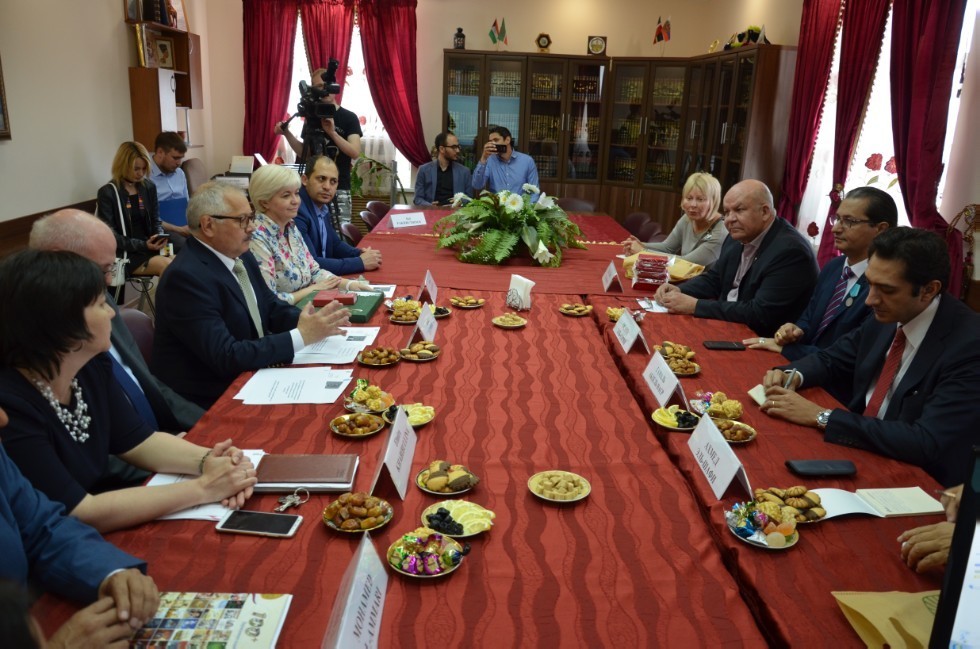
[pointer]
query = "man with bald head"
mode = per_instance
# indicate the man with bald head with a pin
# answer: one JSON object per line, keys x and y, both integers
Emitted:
{"x": 216, "y": 316}
{"x": 765, "y": 274}
{"x": 88, "y": 236}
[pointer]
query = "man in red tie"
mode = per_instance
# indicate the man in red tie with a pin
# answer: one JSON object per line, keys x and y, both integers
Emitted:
{"x": 913, "y": 369}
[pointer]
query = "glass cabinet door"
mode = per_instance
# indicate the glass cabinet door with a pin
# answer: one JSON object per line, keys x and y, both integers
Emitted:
{"x": 625, "y": 125}
{"x": 697, "y": 120}
{"x": 666, "y": 101}
{"x": 464, "y": 77}
{"x": 545, "y": 116}
{"x": 584, "y": 113}
{"x": 723, "y": 107}
{"x": 735, "y": 134}
{"x": 505, "y": 78}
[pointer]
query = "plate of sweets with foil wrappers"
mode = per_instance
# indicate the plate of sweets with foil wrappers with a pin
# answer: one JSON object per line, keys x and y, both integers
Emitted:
{"x": 751, "y": 524}
{"x": 424, "y": 553}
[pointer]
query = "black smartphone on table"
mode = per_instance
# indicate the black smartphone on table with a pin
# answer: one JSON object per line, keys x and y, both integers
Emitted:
{"x": 242, "y": 521}
{"x": 724, "y": 345}
{"x": 828, "y": 468}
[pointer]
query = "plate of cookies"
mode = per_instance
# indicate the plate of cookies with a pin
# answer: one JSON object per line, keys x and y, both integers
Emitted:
{"x": 467, "y": 302}
{"x": 735, "y": 432}
{"x": 379, "y": 357}
{"x": 421, "y": 352}
{"x": 559, "y": 486}
{"x": 797, "y": 502}
{"x": 575, "y": 310}
{"x": 357, "y": 512}
{"x": 405, "y": 312}
{"x": 509, "y": 321}
{"x": 753, "y": 524}
{"x": 442, "y": 478}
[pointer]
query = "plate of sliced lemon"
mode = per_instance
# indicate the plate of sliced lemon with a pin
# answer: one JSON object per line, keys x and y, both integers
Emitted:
{"x": 674, "y": 418}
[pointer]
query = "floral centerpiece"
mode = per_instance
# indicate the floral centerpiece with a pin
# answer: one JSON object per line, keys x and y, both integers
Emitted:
{"x": 490, "y": 229}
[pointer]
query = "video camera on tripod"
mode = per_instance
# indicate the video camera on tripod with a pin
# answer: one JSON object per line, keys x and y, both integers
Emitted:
{"x": 310, "y": 105}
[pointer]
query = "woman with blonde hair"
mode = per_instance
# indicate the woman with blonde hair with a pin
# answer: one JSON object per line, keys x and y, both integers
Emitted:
{"x": 128, "y": 204}
{"x": 284, "y": 259}
{"x": 699, "y": 233}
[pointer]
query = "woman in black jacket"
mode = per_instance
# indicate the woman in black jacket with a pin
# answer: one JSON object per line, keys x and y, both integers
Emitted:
{"x": 128, "y": 204}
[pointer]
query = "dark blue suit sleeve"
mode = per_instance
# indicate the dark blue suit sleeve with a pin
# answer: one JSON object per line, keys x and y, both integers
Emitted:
{"x": 65, "y": 555}
{"x": 425, "y": 189}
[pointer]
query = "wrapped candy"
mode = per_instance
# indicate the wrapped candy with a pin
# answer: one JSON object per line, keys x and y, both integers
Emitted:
{"x": 412, "y": 564}
{"x": 431, "y": 563}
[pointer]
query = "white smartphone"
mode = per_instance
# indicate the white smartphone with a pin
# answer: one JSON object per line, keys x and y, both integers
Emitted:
{"x": 241, "y": 521}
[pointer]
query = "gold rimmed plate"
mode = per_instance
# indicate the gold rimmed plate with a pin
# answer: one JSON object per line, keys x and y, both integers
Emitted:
{"x": 387, "y": 515}
{"x": 511, "y": 323}
{"x": 793, "y": 540}
{"x": 402, "y": 322}
{"x": 735, "y": 425}
{"x": 458, "y": 303}
{"x": 361, "y": 361}
{"x": 573, "y": 312}
{"x": 448, "y": 544}
{"x": 450, "y": 505}
{"x": 377, "y": 423}
{"x": 389, "y": 417}
{"x": 409, "y": 359}
{"x": 695, "y": 372}
{"x": 419, "y": 482}
{"x": 534, "y": 485}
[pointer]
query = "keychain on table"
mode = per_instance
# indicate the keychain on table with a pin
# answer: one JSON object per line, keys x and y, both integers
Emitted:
{"x": 295, "y": 499}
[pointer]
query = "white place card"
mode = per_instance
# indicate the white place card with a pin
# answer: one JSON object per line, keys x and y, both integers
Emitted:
{"x": 407, "y": 219}
{"x": 627, "y": 332}
{"x": 427, "y": 324}
{"x": 429, "y": 286}
{"x": 663, "y": 383}
{"x": 716, "y": 458}
{"x": 356, "y": 617}
{"x": 398, "y": 455}
{"x": 610, "y": 279}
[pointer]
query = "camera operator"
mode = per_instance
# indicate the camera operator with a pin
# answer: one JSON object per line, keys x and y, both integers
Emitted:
{"x": 342, "y": 131}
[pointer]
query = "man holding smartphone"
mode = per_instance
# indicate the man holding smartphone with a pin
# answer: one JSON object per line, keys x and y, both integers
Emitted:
{"x": 501, "y": 167}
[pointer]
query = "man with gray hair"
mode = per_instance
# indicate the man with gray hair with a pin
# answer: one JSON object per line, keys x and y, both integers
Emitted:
{"x": 216, "y": 316}
{"x": 87, "y": 235}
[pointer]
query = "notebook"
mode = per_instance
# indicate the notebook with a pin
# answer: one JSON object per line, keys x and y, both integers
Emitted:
{"x": 280, "y": 473}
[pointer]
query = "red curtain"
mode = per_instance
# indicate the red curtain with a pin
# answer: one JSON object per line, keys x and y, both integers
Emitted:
{"x": 269, "y": 33}
{"x": 818, "y": 29}
{"x": 864, "y": 24}
{"x": 327, "y": 29}
{"x": 925, "y": 37}
{"x": 388, "y": 38}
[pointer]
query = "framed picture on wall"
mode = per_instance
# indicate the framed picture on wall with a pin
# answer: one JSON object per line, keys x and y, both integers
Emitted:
{"x": 134, "y": 11}
{"x": 4, "y": 119}
{"x": 163, "y": 49}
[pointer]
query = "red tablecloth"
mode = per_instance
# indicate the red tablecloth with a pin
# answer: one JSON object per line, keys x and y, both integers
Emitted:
{"x": 630, "y": 566}
{"x": 841, "y": 554}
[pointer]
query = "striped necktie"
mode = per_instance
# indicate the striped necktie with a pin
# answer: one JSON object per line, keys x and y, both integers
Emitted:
{"x": 835, "y": 301}
{"x": 253, "y": 308}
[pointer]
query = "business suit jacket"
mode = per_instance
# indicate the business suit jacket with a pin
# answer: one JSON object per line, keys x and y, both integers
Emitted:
{"x": 931, "y": 418}
{"x": 174, "y": 413}
{"x": 425, "y": 181}
{"x": 775, "y": 290}
{"x": 341, "y": 258}
{"x": 846, "y": 319}
{"x": 204, "y": 335}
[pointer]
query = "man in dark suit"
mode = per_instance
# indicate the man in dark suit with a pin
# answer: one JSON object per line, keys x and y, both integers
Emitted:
{"x": 838, "y": 303}
{"x": 329, "y": 250}
{"x": 765, "y": 274}
{"x": 88, "y": 236}
{"x": 216, "y": 317}
{"x": 914, "y": 368}
{"x": 437, "y": 182}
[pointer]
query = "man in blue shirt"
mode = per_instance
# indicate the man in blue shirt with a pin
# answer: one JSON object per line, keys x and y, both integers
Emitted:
{"x": 501, "y": 167}
{"x": 171, "y": 183}
{"x": 438, "y": 181}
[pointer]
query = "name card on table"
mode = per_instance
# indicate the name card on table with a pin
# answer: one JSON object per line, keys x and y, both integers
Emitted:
{"x": 610, "y": 279}
{"x": 426, "y": 327}
{"x": 716, "y": 458}
{"x": 662, "y": 381}
{"x": 407, "y": 220}
{"x": 429, "y": 286}
{"x": 627, "y": 332}
{"x": 398, "y": 455}
{"x": 356, "y": 617}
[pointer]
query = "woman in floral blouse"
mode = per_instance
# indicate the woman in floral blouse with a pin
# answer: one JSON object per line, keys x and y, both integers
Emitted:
{"x": 285, "y": 261}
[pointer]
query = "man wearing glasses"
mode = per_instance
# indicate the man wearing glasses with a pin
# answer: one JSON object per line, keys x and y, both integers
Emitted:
{"x": 216, "y": 317}
{"x": 438, "y": 181}
{"x": 838, "y": 300}
{"x": 765, "y": 274}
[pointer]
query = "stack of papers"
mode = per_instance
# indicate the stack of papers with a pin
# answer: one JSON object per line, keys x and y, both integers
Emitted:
{"x": 285, "y": 385}
{"x": 337, "y": 349}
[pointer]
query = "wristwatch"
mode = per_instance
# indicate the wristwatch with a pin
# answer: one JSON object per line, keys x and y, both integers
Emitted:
{"x": 822, "y": 418}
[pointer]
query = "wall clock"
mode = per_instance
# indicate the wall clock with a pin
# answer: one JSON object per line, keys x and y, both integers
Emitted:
{"x": 543, "y": 42}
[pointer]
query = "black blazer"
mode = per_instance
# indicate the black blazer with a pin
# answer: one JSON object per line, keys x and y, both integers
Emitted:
{"x": 931, "y": 418}
{"x": 204, "y": 335}
{"x": 774, "y": 291}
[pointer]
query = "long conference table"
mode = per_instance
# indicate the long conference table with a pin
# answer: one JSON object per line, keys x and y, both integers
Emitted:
{"x": 646, "y": 560}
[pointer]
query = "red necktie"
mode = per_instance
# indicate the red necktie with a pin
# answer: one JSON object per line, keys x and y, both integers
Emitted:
{"x": 892, "y": 362}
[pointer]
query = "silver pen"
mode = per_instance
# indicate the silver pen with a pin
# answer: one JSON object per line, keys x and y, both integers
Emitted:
{"x": 789, "y": 379}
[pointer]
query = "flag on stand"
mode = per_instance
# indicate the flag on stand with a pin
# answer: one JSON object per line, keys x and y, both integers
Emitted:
{"x": 503, "y": 31}
{"x": 663, "y": 31}
{"x": 494, "y": 33}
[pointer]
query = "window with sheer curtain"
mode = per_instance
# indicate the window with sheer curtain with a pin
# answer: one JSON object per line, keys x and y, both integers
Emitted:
{"x": 872, "y": 163}
{"x": 375, "y": 142}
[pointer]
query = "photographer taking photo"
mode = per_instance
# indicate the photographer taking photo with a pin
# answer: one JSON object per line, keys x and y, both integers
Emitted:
{"x": 328, "y": 130}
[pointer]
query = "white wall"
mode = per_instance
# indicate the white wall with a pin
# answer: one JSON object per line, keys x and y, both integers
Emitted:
{"x": 65, "y": 70}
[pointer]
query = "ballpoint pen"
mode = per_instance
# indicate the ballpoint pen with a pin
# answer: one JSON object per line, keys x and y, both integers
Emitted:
{"x": 789, "y": 379}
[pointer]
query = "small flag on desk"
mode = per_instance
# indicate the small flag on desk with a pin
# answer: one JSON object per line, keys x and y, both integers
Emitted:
{"x": 663, "y": 31}
{"x": 494, "y": 33}
{"x": 503, "y": 31}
